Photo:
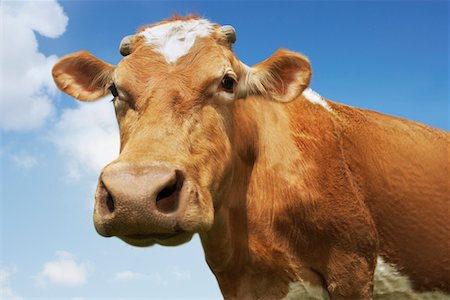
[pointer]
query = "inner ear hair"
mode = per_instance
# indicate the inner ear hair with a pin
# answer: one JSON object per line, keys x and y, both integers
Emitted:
{"x": 290, "y": 69}
{"x": 282, "y": 77}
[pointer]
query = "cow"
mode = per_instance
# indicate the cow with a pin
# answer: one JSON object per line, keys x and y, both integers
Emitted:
{"x": 293, "y": 195}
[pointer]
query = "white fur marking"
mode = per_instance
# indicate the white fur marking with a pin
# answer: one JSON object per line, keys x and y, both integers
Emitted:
{"x": 175, "y": 39}
{"x": 315, "y": 98}
{"x": 304, "y": 290}
{"x": 389, "y": 284}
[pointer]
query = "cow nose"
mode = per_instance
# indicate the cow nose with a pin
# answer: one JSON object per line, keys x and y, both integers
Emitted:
{"x": 164, "y": 184}
{"x": 134, "y": 199}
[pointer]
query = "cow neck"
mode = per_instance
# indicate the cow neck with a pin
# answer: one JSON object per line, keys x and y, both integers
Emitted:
{"x": 261, "y": 153}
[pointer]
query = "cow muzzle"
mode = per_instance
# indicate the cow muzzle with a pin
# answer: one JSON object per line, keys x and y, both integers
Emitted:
{"x": 142, "y": 205}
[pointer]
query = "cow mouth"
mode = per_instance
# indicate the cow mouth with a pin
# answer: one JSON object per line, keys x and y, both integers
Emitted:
{"x": 155, "y": 236}
{"x": 145, "y": 240}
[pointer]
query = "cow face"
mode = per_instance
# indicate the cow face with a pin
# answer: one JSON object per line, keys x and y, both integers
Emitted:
{"x": 174, "y": 93}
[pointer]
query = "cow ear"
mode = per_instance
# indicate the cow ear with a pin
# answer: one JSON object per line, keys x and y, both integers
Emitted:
{"x": 83, "y": 76}
{"x": 282, "y": 77}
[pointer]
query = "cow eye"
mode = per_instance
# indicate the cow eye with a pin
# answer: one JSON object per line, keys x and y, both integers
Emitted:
{"x": 228, "y": 83}
{"x": 113, "y": 90}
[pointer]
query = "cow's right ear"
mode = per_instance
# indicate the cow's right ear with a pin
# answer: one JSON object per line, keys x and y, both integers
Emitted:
{"x": 83, "y": 76}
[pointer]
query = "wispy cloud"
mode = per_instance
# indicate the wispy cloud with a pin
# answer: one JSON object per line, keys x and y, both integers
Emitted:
{"x": 175, "y": 273}
{"x": 9, "y": 294}
{"x": 27, "y": 87}
{"x": 154, "y": 278}
{"x": 127, "y": 275}
{"x": 181, "y": 274}
{"x": 6, "y": 292}
{"x": 4, "y": 275}
{"x": 24, "y": 160}
{"x": 64, "y": 270}
{"x": 88, "y": 137}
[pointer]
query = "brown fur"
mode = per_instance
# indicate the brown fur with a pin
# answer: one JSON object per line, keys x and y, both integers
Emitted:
{"x": 286, "y": 192}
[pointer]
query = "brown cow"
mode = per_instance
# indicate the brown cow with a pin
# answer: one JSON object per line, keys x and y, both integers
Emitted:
{"x": 304, "y": 199}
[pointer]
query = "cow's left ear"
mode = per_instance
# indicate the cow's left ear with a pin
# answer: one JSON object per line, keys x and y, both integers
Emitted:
{"x": 282, "y": 77}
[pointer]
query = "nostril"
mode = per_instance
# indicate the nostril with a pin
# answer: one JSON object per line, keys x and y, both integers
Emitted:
{"x": 167, "y": 198}
{"x": 166, "y": 192}
{"x": 109, "y": 203}
{"x": 105, "y": 200}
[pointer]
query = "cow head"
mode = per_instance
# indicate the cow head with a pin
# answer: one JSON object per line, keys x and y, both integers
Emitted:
{"x": 174, "y": 93}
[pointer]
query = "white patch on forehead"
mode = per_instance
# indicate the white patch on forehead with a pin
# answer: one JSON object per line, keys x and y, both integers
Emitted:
{"x": 175, "y": 39}
{"x": 315, "y": 98}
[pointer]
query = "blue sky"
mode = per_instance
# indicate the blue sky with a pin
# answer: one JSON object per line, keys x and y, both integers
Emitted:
{"x": 389, "y": 56}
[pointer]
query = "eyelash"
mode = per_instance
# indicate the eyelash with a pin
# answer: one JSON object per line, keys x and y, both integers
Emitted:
{"x": 113, "y": 90}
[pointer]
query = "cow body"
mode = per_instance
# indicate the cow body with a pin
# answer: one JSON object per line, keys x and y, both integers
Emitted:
{"x": 292, "y": 195}
{"x": 325, "y": 191}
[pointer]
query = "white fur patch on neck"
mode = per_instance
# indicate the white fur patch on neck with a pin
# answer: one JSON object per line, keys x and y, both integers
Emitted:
{"x": 175, "y": 39}
{"x": 315, "y": 98}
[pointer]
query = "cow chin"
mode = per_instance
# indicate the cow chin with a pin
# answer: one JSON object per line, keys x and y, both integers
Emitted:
{"x": 164, "y": 240}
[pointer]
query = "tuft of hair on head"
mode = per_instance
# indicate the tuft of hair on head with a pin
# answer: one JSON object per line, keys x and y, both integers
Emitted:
{"x": 175, "y": 17}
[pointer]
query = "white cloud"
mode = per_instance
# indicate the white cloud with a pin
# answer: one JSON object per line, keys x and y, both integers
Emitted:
{"x": 62, "y": 271}
{"x": 181, "y": 274}
{"x": 45, "y": 17}
{"x": 154, "y": 278}
{"x": 5, "y": 290}
{"x": 26, "y": 84}
{"x": 88, "y": 136}
{"x": 24, "y": 160}
{"x": 7, "y": 293}
{"x": 62, "y": 254}
{"x": 4, "y": 275}
{"x": 126, "y": 275}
